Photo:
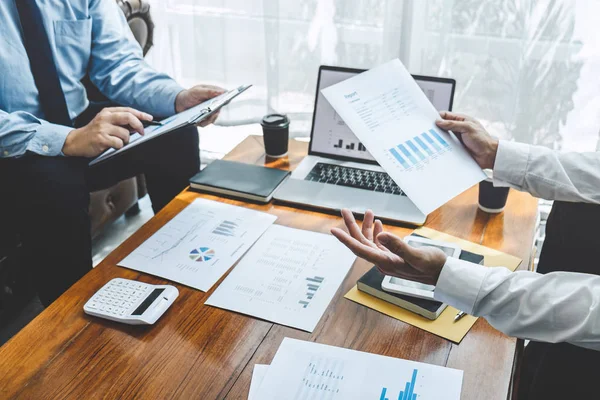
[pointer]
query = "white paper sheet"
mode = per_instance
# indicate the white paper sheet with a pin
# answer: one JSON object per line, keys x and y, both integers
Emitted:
{"x": 258, "y": 374}
{"x": 307, "y": 370}
{"x": 200, "y": 243}
{"x": 289, "y": 277}
{"x": 390, "y": 114}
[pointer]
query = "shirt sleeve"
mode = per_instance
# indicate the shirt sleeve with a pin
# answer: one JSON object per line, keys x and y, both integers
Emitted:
{"x": 21, "y": 132}
{"x": 556, "y": 307}
{"x": 548, "y": 174}
{"x": 118, "y": 69}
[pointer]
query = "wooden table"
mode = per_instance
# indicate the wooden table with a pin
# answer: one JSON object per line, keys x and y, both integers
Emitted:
{"x": 201, "y": 352}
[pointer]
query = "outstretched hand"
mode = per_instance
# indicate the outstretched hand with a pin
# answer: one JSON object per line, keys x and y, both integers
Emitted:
{"x": 389, "y": 253}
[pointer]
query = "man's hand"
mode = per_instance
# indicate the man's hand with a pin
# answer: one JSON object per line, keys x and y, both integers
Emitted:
{"x": 389, "y": 253}
{"x": 482, "y": 146}
{"x": 196, "y": 95}
{"x": 110, "y": 128}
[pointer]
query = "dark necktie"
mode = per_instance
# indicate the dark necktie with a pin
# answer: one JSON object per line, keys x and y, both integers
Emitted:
{"x": 43, "y": 68}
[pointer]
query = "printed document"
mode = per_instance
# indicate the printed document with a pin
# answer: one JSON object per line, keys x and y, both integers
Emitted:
{"x": 200, "y": 243}
{"x": 289, "y": 277}
{"x": 307, "y": 370}
{"x": 390, "y": 114}
{"x": 258, "y": 374}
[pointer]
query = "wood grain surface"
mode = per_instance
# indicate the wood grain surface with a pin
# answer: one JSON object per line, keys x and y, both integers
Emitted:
{"x": 201, "y": 352}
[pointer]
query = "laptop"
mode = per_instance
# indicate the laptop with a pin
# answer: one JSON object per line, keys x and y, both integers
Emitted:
{"x": 339, "y": 172}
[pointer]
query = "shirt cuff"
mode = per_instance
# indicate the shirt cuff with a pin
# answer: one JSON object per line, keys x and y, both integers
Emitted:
{"x": 511, "y": 164}
{"x": 49, "y": 139}
{"x": 459, "y": 284}
{"x": 164, "y": 100}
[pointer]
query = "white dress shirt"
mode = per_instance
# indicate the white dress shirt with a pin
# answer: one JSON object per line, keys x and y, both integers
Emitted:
{"x": 556, "y": 307}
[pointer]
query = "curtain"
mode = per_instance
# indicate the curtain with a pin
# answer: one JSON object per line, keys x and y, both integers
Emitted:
{"x": 528, "y": 69}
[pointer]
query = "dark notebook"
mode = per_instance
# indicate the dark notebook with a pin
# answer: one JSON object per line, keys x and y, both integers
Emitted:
{"x": 240, "y": 180}
{"x": 371, "y": 283}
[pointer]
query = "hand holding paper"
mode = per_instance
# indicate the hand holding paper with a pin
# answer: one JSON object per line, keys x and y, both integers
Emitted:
{"x": 482, "y": 146}
{"x": 390, "y": 114}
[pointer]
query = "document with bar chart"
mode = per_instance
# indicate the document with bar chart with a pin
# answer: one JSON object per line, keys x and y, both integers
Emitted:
{"x": 200, "y": 243}
{"x": 307, "y": 370}
{"x": 395, "y": 121}
{"x": 289, "y": 277}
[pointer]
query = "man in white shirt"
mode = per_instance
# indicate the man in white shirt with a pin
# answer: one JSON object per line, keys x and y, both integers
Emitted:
{"x": 555, "y": 307}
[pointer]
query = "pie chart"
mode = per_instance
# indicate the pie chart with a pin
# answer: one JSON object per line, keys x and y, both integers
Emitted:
{"x": 202, "y": 254}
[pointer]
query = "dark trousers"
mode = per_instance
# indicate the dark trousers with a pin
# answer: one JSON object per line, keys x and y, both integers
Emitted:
{"x": 562, "y": 370}
{"x": 46, "y": 200}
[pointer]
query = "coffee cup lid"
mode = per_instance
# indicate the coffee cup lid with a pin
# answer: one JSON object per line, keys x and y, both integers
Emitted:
{"x": 273, "y": 120}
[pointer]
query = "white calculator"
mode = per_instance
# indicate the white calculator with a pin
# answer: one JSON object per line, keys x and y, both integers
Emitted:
{"x": 131, "y": 302}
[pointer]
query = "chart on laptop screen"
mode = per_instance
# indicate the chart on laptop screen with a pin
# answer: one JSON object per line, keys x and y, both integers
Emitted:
{"x": 331, "y": 135}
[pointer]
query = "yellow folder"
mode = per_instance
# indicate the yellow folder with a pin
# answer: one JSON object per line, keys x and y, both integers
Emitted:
{"x": 444, "y": 325}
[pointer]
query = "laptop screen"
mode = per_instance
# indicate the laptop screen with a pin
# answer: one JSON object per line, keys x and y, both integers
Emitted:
{"x": 332, "y": 137}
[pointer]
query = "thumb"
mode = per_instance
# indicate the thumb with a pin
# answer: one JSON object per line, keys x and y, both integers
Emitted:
{"x": 397, "y": 246}
{"x": 455, "y": 126}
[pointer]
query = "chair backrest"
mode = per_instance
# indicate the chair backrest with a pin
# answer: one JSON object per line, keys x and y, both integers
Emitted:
{"x": 140, "y": 22}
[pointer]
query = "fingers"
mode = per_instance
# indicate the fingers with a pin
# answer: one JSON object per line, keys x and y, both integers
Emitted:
{"x": 120, "y": 133}
{"x": 206, "y": 91}
{"x": 126, "y": 119}
{"x": 377, "y": 229}
{"x": 114, "y": 142}
{"x": 213, "y": 87}
{"x": 457, "y": 123}
{"x": 397, "y": 246}
{"x": 352, "y": 226}
{"x": 210, "y": 120}
{"x": 362, "y": 250}
{"x": 138, "y": 114}
{"x": 456, "y": 126}
{"x": 448, "y": 115}
{"x": 367, "y": 226}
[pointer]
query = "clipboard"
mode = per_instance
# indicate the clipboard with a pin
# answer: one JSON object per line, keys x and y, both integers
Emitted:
{"x": 188, "y": 117}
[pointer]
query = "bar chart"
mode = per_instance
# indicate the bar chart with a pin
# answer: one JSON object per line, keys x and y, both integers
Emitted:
{"x": 312, "y": 285}
{"x": 350, "y": 146}
{"x": 226, "y": 228}
{"x": 407, "y": 394}
{"x": 303, "y": 370}
{"x": 323, "y": 378}
{"x": 421, "y": 149}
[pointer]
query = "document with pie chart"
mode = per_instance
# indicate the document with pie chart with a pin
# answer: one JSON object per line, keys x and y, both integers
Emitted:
{"x": 200, "y": 243}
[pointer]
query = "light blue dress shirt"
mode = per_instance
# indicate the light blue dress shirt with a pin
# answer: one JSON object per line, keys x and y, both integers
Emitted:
{"x": 87, "y": 36}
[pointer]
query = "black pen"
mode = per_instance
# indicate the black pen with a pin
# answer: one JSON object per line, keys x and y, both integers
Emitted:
{"x": 151, "y": 123}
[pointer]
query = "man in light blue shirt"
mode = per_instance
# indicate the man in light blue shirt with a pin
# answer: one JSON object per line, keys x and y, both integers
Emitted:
{"x": 48, "y": 132}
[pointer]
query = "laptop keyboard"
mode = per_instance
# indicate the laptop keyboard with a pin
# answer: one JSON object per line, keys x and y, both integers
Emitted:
{"x": 354, "y": 177}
